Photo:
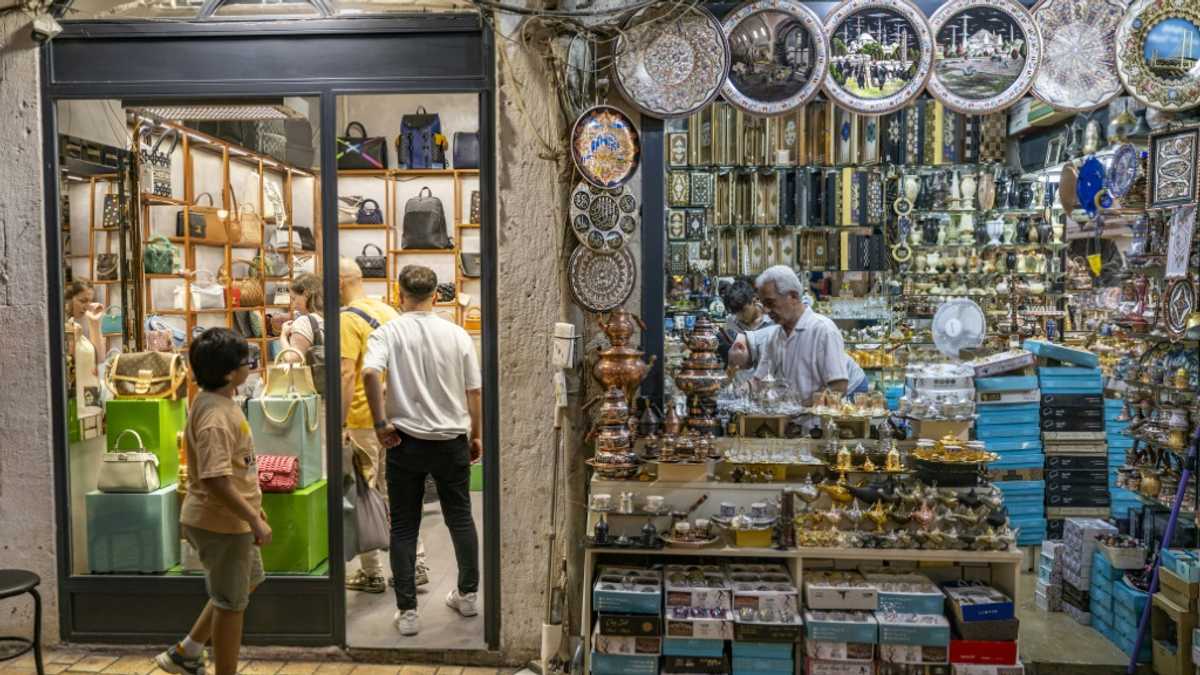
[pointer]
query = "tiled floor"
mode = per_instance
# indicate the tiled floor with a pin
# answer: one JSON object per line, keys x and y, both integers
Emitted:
{"x": 72, "y": 661}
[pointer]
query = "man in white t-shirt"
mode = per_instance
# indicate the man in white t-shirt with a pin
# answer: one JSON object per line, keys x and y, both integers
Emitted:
{"x": 430, "y": 424}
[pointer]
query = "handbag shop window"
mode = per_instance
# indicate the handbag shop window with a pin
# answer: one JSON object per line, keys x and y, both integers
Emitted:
{"x": 216, "y": 224}
{"x": 408, "y": 194}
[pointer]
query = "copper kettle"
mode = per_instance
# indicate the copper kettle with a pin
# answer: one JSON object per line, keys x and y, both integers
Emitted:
{"x": 619, "y": 326}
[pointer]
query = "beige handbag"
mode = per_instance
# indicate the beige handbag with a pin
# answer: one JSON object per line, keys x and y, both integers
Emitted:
{"x": 130, "y": 471}
{"x": 249, "y": 225}
{"x": 284, "y": 378}
{"x": 250, "y": 289}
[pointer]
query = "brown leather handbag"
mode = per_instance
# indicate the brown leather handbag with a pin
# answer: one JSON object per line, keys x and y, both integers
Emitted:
{"x": 141, "y": 375}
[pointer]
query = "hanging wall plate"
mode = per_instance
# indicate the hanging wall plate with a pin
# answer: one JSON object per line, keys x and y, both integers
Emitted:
{"x": 779, "y": 56}
{"x": 1079, "y": 54}
{"x": 602, "y": 220}
{"x": 1122, "y": 170}
{"x": 1089, "y": 184}
{"x": 1158, "y": 53}
{"x": 601, "y": 283}
{"x": 605, "y": 146}
{"x": 672, "y": 60}
{"x": 985, "y": 56}
{"x": 1068, "y": 179}
{"x": 880, "y": 55}
{"x": 1180, "y": 303}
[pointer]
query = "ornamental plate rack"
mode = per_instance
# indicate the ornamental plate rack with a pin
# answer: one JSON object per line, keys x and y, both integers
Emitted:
{"x": 1158, "y": 53}
{"x": 603, "y": 220}
{"x": 671, "y": 62}
{"x": 606, "y": 146}
{"x": 1079, "y": 54}
{"x": 880, "y": 55}
{"x": 779, "y": 56}
{"x": 985, "y": 56}
{"x": 601, "y": 283}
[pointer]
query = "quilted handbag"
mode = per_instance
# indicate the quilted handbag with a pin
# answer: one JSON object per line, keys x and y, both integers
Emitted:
{"x": 160, "y": 256}
{"x": 372, "y": 266}
{"x": 421, "y": 144}
{"x": 142, "y": 375}
{"x": 361, "y": 151}
{"x": 113, "y": 321}
{"x": 369, "y": 213}
{"x": 278, "y": 473}
{"x": 129, "y": 471}
{"x": 470, "y": 264}
{"x": 466, "y": 150}
{"x": 424, "y": 222}
{"x": 203, "y": 222}
{"x": 289, "y": 425}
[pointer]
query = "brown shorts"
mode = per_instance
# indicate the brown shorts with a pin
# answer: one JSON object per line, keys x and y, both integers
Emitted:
{"x": 232, "y": 566}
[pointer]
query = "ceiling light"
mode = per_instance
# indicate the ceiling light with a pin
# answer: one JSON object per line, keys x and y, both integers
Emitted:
{"x": 250, "y": 110}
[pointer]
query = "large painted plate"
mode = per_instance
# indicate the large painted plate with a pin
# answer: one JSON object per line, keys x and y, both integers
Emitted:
{"x": 779, "y": 56}
{"x": 1089, "y": 184}
{"x": 1123, "y": 170}
{"x": 985, "y": 56}
{"x": 880, "y": 55}
{"x": 671, "y": 60}
{"x": 606, "y": 146}
{"x": 1079, "y": 53}
{"x": 603, "y": 220}
{"x": 601, "y": 283}
{"x": 1158, "y": 53}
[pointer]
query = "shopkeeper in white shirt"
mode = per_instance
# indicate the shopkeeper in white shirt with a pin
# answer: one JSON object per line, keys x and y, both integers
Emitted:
{"x": 804, "y": 349}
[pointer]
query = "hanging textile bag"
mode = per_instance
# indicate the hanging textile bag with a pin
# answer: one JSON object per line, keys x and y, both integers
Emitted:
{"x": 369, "y": 213}
{"x": 372, "y": 266}
{"x": 278, "y": 473}
{"x": 142, "y": 375}
{"x": 129, "y": 471}
{"x": 160, "y": 256}
{"x": 424, "y": 222}
{"x": 156, "y": 162}
{"x": 361, "y": 151}
{"x": 421, "y": 144}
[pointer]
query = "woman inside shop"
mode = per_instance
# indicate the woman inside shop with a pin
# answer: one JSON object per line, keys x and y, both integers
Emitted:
{"x": 83, "y": 322}
{"x": 307, "y": 328}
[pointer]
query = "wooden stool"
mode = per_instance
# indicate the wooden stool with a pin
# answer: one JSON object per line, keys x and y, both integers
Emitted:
{"x": 12, "y": 584}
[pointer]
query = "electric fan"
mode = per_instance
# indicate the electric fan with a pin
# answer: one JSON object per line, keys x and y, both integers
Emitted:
{"x": 958, "y": 324}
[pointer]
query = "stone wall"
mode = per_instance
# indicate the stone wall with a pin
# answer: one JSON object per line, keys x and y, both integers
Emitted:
{"x": 27, "y": 524}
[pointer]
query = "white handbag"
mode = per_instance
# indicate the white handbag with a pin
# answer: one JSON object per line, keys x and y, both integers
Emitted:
{"x": 206, "y": 292}
{"x": 132, "y": 471}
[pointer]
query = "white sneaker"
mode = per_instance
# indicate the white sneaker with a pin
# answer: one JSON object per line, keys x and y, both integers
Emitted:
{"x": 464, "y": 604}
{"x": 407, "y": 622}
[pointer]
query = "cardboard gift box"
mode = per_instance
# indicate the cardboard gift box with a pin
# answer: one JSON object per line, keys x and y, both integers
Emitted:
{"x": 991, "y": 652}
{"x": 825, "y": 650}
{"x": 627, "y": 590}
{"x": 614, "y": 664}
{"x": 840, "y": 626}
{"x": 839, "y": 590}
{"x": 927, "y": 630}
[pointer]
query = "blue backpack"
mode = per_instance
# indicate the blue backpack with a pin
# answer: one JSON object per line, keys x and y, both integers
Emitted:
{"x": 420, "y": 144}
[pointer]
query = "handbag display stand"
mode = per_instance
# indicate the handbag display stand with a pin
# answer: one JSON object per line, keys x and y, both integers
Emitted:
{"x": 299, "y": 529}
{"x": 159, "y": 423}
{"x": 136, "y": 533}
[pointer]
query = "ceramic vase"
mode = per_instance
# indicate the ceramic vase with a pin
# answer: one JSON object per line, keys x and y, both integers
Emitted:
{"x": 995, "y": 228}
{"x": 968, "y": 187}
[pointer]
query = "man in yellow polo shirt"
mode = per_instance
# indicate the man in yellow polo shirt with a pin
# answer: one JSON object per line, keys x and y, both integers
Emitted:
{"x": 359, "y": 317}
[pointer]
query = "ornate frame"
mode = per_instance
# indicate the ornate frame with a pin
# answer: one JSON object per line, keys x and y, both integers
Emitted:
{"x": 1190, "y": 167}
{"x": 1033, "y": 41}
{"x": 1145, "y": 86}
{"x": 907, "y": 93}
{"x": 816, "y": 33}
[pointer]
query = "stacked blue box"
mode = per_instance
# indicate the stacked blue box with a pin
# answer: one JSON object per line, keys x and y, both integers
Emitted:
{"x": 1100, "y": 593}
{"x": 1070, "y": 380}
{"x": 1118, "y": 444}
{"x": 1026, "y": 503}
{"x": 1128, "y": 603}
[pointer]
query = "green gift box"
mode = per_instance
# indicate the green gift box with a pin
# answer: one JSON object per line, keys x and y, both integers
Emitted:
{"x": 133, "y": 532}
{"x": 299, "y": 529}
{"x": 159, "y": 423}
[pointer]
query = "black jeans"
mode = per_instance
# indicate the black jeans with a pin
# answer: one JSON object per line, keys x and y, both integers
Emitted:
{"x": 449, "y": 462}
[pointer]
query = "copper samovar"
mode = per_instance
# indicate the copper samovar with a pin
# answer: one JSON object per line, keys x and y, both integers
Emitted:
{"x": 701, "y": 376}
{"x": 621, "y": 365}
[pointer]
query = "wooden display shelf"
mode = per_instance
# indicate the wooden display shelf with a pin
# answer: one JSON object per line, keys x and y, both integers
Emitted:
{"x": 469, "y": 226}
{"x": 194, "y": 241}
{"x": 418, "y": 251}
{"x": 363, "y": 173}
{"x": 447, "y": 173}
{"x": 175, "y": 277}
{"x": 359, "y": 226}
{"x": 159, "y": 200}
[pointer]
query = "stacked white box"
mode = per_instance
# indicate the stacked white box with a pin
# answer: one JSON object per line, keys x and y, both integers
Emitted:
{"x": 1079, "y": 542}
{"x": 1048, "y": 595}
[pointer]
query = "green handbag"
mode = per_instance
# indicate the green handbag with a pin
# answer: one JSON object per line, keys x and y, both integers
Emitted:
{"x": 160, "y": 256}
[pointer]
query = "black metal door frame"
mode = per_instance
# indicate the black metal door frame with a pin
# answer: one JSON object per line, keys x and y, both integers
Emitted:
{"x": 323, "y": 58}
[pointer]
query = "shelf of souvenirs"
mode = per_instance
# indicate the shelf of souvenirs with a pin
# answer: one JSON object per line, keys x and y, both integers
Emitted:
{"x": 1157, "y": 387}
{"x": 1156, "y": 441}
{"x": 391, "y": 173}
{"x": 989, "y": 246}
{"x": 1011, "y": 556}
{"x": 906, "y": 169}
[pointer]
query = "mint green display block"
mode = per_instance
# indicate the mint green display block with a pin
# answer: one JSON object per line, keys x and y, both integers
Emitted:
{"x": 133, "y": 532}
{"x": 476, "y": 478}
{"x": 289, "y": 426}
{"x": 299, "y": 529}
{"x": 158, "y": 421}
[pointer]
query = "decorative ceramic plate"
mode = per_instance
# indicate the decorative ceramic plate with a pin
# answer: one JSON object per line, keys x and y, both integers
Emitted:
{"x": 779, "y": 56}
{"x": 1123, "y": 170}
{"x": 602, "y": 220}
{"x": 987, "y": 53}
{"x": 1158, "y": 53}
{"x": 1180, "y": 302}
{"x": 881, "y": 53}
{"x": 672, "y": 62}
{"x": 1090, "y": 183}
{"x": 1079, "y": 55}
{"x": 605, "y": 146}
{"x": 601, "y": 283}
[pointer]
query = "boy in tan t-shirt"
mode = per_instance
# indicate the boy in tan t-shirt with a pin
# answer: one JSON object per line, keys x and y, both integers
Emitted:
{"x": 222, "y": 514}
